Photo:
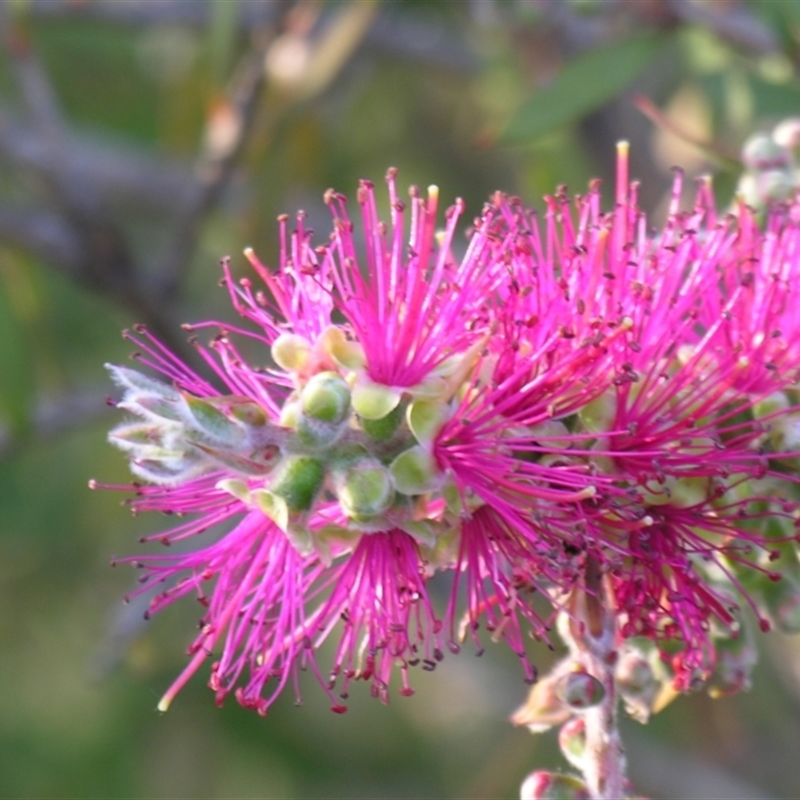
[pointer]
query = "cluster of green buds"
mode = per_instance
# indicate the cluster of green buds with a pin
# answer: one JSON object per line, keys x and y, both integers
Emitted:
{"x": 366, "y": 445}
{"x": 340, "y": 437}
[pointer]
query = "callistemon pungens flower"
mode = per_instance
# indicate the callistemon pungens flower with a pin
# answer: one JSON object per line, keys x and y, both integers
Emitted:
{"x": 560, "y": 401}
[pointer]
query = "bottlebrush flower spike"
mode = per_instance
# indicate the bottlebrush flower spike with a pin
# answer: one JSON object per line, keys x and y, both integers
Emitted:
{"x": 567, "y": 393}
{"x": 312, "y": 480}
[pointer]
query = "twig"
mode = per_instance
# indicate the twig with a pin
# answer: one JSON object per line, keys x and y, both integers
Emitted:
{"x": 593, "y": 633}
{"x": 730, "y": 21}
{"x": 406, "y": 35}
{"x": 120, "y": 171}
{"x": 214, "y": 168}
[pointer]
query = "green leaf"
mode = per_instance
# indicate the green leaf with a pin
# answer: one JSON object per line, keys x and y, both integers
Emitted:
{"x": 774, "y": 99}
{"x": 134, "y": 380}
{"x": 584, "y": 85}
{"x": 213, "y": 422}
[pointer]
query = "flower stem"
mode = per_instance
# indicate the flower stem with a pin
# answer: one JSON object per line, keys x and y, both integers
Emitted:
{"x": 604, "y": 758}
{"x": 593, "y": 631}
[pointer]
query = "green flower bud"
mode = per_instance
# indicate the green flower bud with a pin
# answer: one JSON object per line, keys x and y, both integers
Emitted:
{"x": 572, "y": 741}
{"x": 762, "y": 152}
{"x": 365, "y": 490}
{"x": 579, "y": 690}
{"x": 290, "y": 413}
{"x": 317, "y": 435}
{"x": 326, "y": 397}
{"x": 298, "y": 481}
{"x": 291, "y": 352}
{"x": 637, "y": 684}
{"x": 542, "y": 785}
{"x": 414, "y": 472}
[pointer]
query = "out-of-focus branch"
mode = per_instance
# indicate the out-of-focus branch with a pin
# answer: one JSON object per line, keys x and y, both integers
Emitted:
{"x": 731, "y": 21}
{"x": 45, "y": 234}
{"x": 149, "y": 12}
{"x": 79, "y": 234}
{"x": 146, "y": 180}
{"x": 227, "y": 130}
{"x": 105, "y": 260}
{"x": 407, "y": 35}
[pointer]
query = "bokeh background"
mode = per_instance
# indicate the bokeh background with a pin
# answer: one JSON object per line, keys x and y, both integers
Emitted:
{"x": 140, "y": 141}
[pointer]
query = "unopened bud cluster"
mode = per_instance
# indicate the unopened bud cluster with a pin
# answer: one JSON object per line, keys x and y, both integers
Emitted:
{"x": 771, "y": 169}
{"x": 340, "y": 437}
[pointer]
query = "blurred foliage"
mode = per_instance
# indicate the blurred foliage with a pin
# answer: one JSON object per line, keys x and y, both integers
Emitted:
{"x": 112, "y": 114}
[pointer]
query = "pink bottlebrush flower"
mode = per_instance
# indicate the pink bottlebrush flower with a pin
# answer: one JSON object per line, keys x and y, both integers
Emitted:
{"x": 313, "y": 475}
{"x": 625, "y": 413}
{"x": 564, "y": 395}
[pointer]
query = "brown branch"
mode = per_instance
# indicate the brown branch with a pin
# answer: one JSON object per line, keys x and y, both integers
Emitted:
{"x": 215, "y": 165}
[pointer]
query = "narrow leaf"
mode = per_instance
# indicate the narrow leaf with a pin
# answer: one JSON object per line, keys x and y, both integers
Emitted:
{"x": 583, "y": 86}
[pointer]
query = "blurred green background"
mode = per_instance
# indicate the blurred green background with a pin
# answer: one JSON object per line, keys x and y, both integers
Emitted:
{"x": 140, "y": 141}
